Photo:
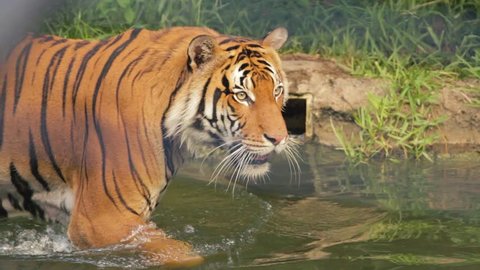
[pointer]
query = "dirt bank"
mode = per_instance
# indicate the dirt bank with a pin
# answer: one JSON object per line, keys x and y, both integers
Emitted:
{"x": 336, "y": 95}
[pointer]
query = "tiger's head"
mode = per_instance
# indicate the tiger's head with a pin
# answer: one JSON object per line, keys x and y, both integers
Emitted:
{"x": 233, "y": 99}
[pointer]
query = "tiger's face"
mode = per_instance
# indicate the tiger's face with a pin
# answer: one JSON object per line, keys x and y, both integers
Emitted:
{"x": 249, "y": 117}
{"x": 241, "y": 102}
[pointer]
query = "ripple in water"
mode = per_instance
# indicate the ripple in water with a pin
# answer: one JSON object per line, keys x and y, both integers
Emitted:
{"x": 219, "y": 230}
{"x": 36, "y": 242}
{"x": 50, "y": 243}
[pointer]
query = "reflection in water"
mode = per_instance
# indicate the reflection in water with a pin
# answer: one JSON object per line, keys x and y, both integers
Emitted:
{"x": 327, "y": 223}
{"x": 413, "y": 215}
{"x": 389, "y": 205}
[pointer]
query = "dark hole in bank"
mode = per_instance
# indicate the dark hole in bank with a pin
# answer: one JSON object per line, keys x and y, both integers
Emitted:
{"x": 295, "y": 115}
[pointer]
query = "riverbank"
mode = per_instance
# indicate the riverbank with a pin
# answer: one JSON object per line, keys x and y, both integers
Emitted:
{"x": 337, "y": 97}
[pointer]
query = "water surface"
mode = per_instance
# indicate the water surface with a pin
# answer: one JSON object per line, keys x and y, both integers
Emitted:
{"x": 403, "y": 215}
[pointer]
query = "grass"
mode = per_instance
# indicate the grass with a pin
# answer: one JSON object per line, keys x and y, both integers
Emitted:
{"x": 418, "y": 45}
{"x": 399, "y": 123}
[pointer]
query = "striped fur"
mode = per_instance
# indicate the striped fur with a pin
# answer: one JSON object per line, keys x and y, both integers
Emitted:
{"x": 94, "y": 129}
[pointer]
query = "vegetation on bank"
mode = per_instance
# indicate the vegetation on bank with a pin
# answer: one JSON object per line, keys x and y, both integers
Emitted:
{"x": 419, "y": 45}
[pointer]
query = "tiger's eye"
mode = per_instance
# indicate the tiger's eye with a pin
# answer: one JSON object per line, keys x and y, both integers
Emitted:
{"x": 241, "y": 96}
{"x": 278, "y": 91}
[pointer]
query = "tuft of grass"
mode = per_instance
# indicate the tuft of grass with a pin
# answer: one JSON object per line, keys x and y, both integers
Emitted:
{"x": 416, "y": 44}
{"x": 400, "y": 122}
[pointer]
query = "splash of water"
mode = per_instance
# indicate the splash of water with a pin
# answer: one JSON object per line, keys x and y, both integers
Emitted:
{"x": 23, "y": 241}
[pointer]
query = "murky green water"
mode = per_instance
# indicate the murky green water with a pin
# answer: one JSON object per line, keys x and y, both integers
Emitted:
{"x": 406, "y": 215}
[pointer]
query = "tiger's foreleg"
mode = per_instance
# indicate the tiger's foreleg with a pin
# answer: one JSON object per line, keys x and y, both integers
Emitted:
{"x": 99, "y": 221}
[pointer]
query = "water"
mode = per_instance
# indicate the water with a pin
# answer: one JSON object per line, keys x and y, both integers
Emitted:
{"x": 404, "y": 215}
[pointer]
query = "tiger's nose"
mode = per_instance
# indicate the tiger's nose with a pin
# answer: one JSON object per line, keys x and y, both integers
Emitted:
{"x": 275, "y": 139}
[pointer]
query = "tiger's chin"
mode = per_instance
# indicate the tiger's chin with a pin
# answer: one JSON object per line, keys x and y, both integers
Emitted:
{"x": 257, "y": 167}
{"x": 255, "y": 171}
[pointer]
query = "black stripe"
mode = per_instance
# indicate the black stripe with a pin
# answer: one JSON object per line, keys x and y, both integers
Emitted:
{"x": 225, "y": 82}
{"x": 96, "y": 122}
{"x": 215, "y": 137}
{"x": 80, "y": 44}
{"x": 117, "y": 38}
{"x": 23, "y": 188}
{"x": 3, "y": 212}
{"x": 59, "y": 41}
{"x": 247, "y": 52}
{"x": 242, "y": 125}
{"x": 137, "y": 60}
{"x": 226, "y": 67}
{"x": 120, "y": 196}
{"x": 255, "y": 54}
{"x": 43, "y": 113}
{"x": 122, "y": 76}
{"x": 168, "y": 153}
{"x": 222, "y": 120}
{"x": 168, "y": 143}
{"x": 136, "y": 176}
{"x": 14, "y": 202}
{"x": 59, "y": 57}
{"x": 198, "y": 124}
{"x": 40, "y": 57}
{"x": 231, "y": 108}
{"x": 261, "y": 61}
{"x": 3, "y": 98}
{"x": 226, "y": 41}
{"x": 254, "y": 46}
{"x": 216, "y": 97}
{"x": 85, "y": 141}
{"x": 243, "y": 66}
{"x": 81, "y": 72}
{"x": 142, "y": 153}
{"x": 240, "y": 57}
{"x": 138, "y": 75}
{"x": 45, "y": 38}
{"x": 201, "y": 105}
{"x": 232, "y": 123}
{"x": 253, "y": 83}
{"x": 231, "y": 48}
{"x": 20, "y": 68}
{"x": 34, "y": 163}
{"x": 134, "y": 52}
{"x": 133, "y": 170}
{"x": 65, "y": 85}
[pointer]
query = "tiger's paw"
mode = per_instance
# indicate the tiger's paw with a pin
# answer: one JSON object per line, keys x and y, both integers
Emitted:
{"x": 170, "y": 252}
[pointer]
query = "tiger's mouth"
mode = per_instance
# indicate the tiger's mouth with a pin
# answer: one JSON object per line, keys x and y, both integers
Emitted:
{"x": 260, "y": 159}
{"x": 252, "y": 157}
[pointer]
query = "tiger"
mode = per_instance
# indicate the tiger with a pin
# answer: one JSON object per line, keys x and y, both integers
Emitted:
{"x": 93, "y": 131}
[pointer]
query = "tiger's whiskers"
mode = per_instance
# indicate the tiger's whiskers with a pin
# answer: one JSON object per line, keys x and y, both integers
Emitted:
{"x": 216, "y": 148}
{"x": 227, "y": 162}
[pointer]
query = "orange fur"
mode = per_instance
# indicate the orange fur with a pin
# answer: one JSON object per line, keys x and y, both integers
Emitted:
{"x": 100, "y": 119}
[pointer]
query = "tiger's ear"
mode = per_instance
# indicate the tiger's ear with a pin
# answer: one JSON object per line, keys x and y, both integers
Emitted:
{"x": 276, "y": 38}
{"x": 201, "y": 50}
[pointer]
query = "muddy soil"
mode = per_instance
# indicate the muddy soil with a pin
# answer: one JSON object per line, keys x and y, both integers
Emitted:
{"x": 336, "y": 95}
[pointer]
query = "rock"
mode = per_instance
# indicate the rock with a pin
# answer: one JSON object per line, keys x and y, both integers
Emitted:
{"x": 461, "y": 129}
{"x": 331, "y": 86}
{"x": 334, "y": 94}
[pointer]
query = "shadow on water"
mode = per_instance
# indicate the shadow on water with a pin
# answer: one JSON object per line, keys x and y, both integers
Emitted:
{"x": 404, "y": 215}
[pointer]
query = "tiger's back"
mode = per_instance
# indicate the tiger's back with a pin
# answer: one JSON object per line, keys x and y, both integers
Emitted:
{"x": 62, "y": 105}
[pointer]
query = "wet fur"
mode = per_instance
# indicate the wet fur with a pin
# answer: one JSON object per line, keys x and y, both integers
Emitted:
{"x": 90, "y": 131}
